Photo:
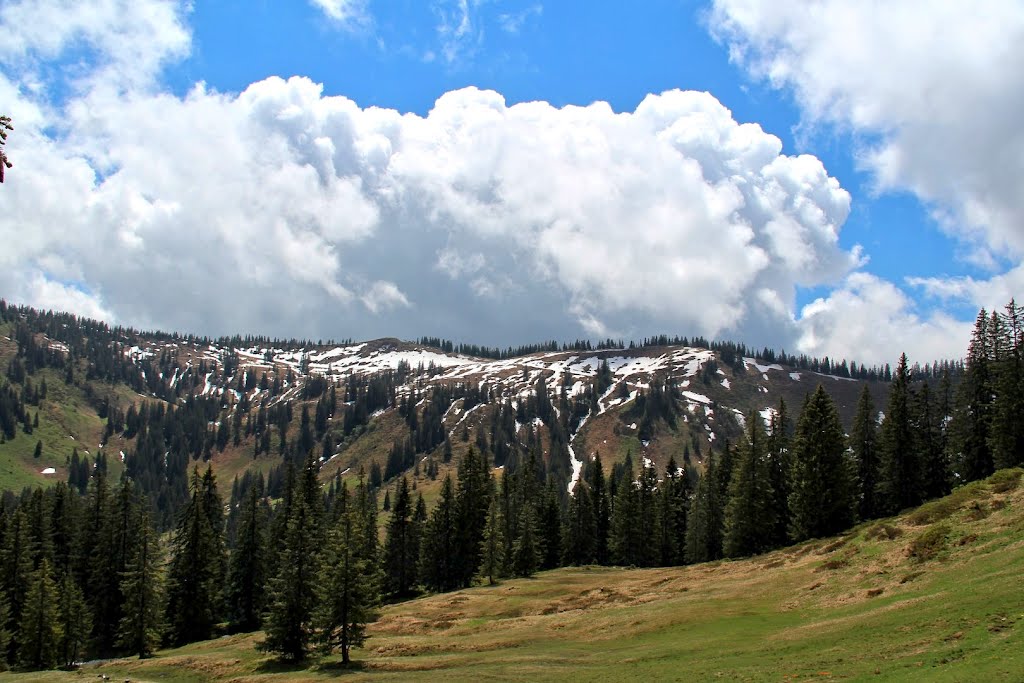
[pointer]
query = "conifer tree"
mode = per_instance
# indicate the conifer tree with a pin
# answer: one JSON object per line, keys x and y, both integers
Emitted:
{"x": 247, "y": 576}
{"x": 525, "y": 554}
{"x": 704, "y": 522}
{"x": 141, "y": 626}
{"x": 1007, "y": 433}
{"x": 624, "y": 537}
{"x": 39, "y": 633}
{"x": 970, "y": 431}
{"x": 821, "y": 499}
{"x": 16, "y": 576}
{"x": 437, "y": 553}
{"x": 192, "y": 581}
{"x": 926, "y": 426}
{"x": 780, "y": 462}
{"x": 602, "y": 510}
{"x": 401, "y": 551}
{"x": 900, "y": 485}
{"x": 98, "y": 553}
{"x": 492, "y": 547}
{"x": 293, "y": 591}
{"x": 549, "y": 522}
{"x": 749, "y": 516}
{"x": 75, "y": 621}
{"x": 472, "y": 501}
{"x": 5, "y": 631}
{"x": 347, "y": 593}
{"x": 580, "y": 537}
{"x": 864, "y": 442}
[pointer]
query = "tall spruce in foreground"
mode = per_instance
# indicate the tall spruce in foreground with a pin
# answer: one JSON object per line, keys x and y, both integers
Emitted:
{"x": 192, "y": 582}
{"x": 141, "y": 626}
{"x": 970, "y": 430}
{"x": 492, "y": 547}
{"x": 437, "y": 553}
{"x": 75, "y": 621}
{"x": 1007, "y": 435}
{"x": 401, "y": 548}
{"x": 580, "y": 537}
{"x": 347, "y": 592}
{"x": 602, "y": 510}
{"x": 900, "y": 485}
{"x": 749, "y": 515}
{"x": 864, "y": 442}
{"x": 39, "y": 634}
{"x": 247, "y": 570}
{"x": 780, "y": 462}
{"x": 293, "y": 591}
{"x": 704, "y": 522}
{"x": 821, "y": 499}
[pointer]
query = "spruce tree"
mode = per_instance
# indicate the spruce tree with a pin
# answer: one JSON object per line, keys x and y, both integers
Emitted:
{"x": 580, "y": 537}
{"x": 549, "y": 522}
{"x": 780, "y": 462}
{"x": 602, "y": 510}
{"x": 749, "y": 516}
{"x": 970, "y": 430}
{"x": 75, "y": 621}
{"x": 39, "y": 632}
{"x": 141, "y": 626}
{"x": 247, "y": 569}
{"x": 472, "y": 501}
{"x": 437, "y": 553}
{"x": 926, "y": 425}
{"x": 525, "y": 553}
{"x": 347, "y": 593}
{"x": 492, "y": 547}
{"x": 192, "y": 580}
{"x": 625, "y": 535}
{"x": 704, "y": 522}
{"x": 5, "y": 631}
{"x": 864, "y": 442}
{"x": 16, "y": 576}
{"x": 900, "y": 484}
{"x": 1007, "y": 434}
{"x": 401, "y": 552}
{"x": 821, "y": 499}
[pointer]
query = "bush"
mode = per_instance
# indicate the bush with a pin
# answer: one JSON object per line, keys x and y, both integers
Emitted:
{"x": 929, "y": 544}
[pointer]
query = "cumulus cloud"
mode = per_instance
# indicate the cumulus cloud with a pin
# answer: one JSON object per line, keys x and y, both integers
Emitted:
{"x": 284, "y": 211}
{"x": 933, "y": 89}
{"x": 869, "y": 319}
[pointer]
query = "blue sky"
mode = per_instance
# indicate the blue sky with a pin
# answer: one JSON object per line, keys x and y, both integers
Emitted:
{"x": 900, "y": 224}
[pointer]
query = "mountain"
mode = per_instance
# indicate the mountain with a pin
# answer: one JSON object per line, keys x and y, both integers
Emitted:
{"x": 383, "y": 407}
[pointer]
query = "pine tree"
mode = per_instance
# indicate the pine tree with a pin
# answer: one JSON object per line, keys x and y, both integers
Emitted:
{"x": 142, "y": 587}
{"x": 75, "y": 621}
{"x": 472, "y": 501}
{"x": 864, "y": 442}
{"x": 437, "y": 554}
{"x": 247, "y": 569}
{"x": 749, "y": 516}
{"x": 293, "y": 591}
{"x": 192, "y": 580}
{"x": 1007, "y": 434}
{"x": 492, "y": 547}
{"x": 624, "y": 536}
{"x": 821, "y": 499}
{"x": 602, "y": 510}
{"x": 39, "y": 633}
{"x": 780, "y": 462}
{"x": 900, "y": 485}
{"x": 926, "y": 425}
{"x": 549, "y": 522}
{"x": 525, "y": 554}
{"x": 5, "y": 631}
{"x": 401, "y": 552}
{"x": 16, "y": 575}
{"x": 98, "y": 556}
{"x": 704, "y": 522}
{"x": 970, "y": 430}
{"x": 348, "y": 593}
{"x": 580, "y": 537}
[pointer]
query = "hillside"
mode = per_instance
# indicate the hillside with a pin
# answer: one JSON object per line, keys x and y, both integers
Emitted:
{"x": 933, "y": 594}
{"x": 365, "y": 400}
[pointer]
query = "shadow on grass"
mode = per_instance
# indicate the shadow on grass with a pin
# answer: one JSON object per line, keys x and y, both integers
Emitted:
{"x": 312, "y": 666}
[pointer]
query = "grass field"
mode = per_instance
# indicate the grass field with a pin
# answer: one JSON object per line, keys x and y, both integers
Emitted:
{"x": 935, "y": 594}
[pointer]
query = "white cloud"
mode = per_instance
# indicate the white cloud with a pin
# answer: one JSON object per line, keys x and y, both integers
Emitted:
{"x": 934, "y": 87}
{"x": 513, "y": 22}
{"x": 873, "y": 321}
{"x": 384, "y": 296}
{"x": 458, "y": 28}
{"x": 350, "y": 14}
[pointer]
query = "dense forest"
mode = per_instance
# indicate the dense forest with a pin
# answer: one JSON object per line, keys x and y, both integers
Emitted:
{"x": 85, "y": 570}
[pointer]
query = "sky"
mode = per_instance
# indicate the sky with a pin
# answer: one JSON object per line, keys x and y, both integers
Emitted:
{"x": 826, "y": 177}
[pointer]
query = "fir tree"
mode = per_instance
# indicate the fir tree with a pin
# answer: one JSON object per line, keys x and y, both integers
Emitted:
{"x": 900, "y": 484}
{"x": 780, "y": 462}
{"x": 749, "y": 516}
{"x": 624, "y": 536}
{"x": 525, "y": 554}
{"x": 5, "y": 631}
{"x": 930, "y": 456}
{"x": 39, "y": 633}
{"x": 1007, "y": 434}
{"x": 141, "y": 626}
{"x": 864, "y": 442}
{"x": 437, "y": 553}
{"x": 602, "y": 510}
{"x": 550, "y": 525}
{"x": 474, "y": 498}
{"x": 492, "y": 547}
{"x": 580, "y": 537}
{"x": 192, "y": 581}
{"x": 348, "y": 593}
{"x": 704, "y": 522}
{"x": 970, "y": 430}
{"x": 75, "y": 621}
{"x": 247, "y": 576}
{"x": 401, "y": 547}
{"x": 821, "y": 499}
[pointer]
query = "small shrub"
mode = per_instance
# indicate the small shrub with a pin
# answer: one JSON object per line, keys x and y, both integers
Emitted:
{"x": 1005, "y": 480}
{"x": 977, "y": 511}
{"x": 875, "y": 592}
{"x": 938, "y": 510}
{"x": 882, "y": 531}
{"x": 929, "y": 544}
{"x": 910, "y": 577}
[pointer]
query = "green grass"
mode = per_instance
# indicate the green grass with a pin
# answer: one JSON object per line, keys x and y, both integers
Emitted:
{"x": 856, "y": 607}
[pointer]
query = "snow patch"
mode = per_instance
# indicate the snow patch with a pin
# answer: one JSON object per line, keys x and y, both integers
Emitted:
{"x": 48, "y": 470}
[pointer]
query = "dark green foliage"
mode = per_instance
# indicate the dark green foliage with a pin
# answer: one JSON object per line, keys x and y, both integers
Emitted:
{"x": 39, "y": 632}
{"x": 141, "y": 625}
{"x": 749, "y": 514}
{"x": 247, "y": 568}
{"x": 1007, "y": 435}
{"x": 970, "y": 430}
{"x": 705, "y": 520}
{"x": 525, "y": 554}
{"x": 927, "y": 424}
{"x": 602, "y": 510}
{"x": 780, "y": 462}
{"x": 492, "y": 547}
{"x": 864, "y": 443}
{"x": 900, "y": 485}
{"x": 472, "y": 502}
{"x": 75, "y": 621}
{"x": 438, "y": 571}
{"x": 821, "y": 499}
{"x": 401, "y": 548}
{"x": 348, "y": 591}
{"x": 580, "y": 537}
